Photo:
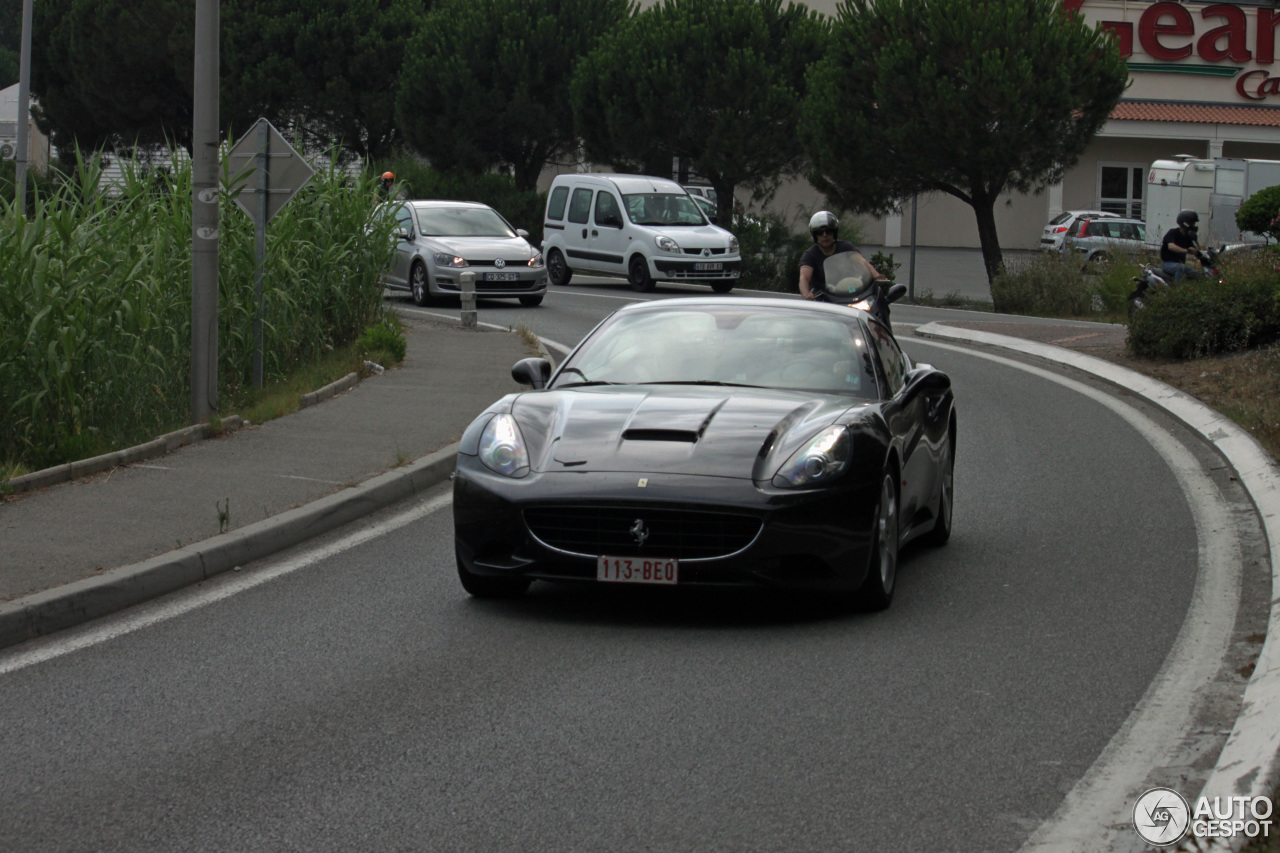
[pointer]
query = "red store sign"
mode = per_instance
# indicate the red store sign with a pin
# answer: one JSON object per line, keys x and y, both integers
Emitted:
{"x": 1169, "y": 32}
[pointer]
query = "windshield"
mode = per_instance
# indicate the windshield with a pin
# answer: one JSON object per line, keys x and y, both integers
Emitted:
{"x": 663, "y": 209}
{"x": 462, "y": 222}
{"x": 763, "y": 347}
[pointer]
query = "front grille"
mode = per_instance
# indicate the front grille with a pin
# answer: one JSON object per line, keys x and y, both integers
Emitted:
{"x": 672, "y": 534}
{"x": 510, "y": 266}
{"x": 699, "y": 251}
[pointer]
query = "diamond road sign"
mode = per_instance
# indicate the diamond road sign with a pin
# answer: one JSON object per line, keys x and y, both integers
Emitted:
{"x": 285, "y": 170}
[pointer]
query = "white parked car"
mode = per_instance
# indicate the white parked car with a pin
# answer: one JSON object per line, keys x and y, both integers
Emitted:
{"x": 1065, "y": 223}
{"x": 642, "y": 228}
{"x": 436, "y": 241}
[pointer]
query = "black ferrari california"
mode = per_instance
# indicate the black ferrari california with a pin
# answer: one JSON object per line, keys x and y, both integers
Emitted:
{"x": 710, "y": 442}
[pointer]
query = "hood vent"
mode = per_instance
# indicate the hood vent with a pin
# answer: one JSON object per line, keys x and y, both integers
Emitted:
{"x": 683, "y": 435}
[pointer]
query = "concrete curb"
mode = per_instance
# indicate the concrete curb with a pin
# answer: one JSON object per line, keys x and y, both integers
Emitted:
{"x": 166, "y": 443}
{"x": 69, "y": 605}
{"x": 1249, "y": 764}
{"x": 333, "y": 388}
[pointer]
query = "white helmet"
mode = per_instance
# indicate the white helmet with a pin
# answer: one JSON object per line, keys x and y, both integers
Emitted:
{"x": 824, "y": 219}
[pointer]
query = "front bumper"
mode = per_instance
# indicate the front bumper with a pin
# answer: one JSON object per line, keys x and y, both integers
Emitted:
{"x": 528, "y": 282}
{"x": 819, "y": 540}
{"x": 681, "y": 270}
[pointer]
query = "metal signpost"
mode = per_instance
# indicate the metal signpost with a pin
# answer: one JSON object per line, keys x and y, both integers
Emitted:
{"x": 278, "y": 171}
{"x": 204, "y": 215}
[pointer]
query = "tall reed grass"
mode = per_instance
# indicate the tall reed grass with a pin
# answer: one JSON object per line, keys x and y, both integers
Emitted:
{"x": 95, "y": 301}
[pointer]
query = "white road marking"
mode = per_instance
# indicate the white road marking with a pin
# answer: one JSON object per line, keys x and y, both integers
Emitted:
{"x": 1095, "y": 815}
{"x": 224, "y": 586}
{"x": 152, "y": 467}
{"x": 310, "y": 479}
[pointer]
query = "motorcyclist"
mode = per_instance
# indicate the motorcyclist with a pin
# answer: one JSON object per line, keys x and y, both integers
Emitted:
{"x": 1178, "y": 244}
{"x": 824, "y": 227}
{"x": 385, "y": 184}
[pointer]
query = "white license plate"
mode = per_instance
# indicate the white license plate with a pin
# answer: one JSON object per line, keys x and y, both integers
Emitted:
{"x": 637, "y": 570}
{"x": 501, "y": 276}
{"x": 699, "y": 267}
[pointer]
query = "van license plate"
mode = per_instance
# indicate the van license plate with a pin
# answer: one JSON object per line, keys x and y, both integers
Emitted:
{"x": 637, "y": 570}
{"x": 701, "y": 267}
{"x": 501, "y": 276}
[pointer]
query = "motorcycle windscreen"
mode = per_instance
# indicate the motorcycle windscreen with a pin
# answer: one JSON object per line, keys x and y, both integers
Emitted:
{"x": 845, "y": 276}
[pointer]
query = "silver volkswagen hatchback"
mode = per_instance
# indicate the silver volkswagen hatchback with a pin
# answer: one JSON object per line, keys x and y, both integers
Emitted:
{"x": 437, "y": 241}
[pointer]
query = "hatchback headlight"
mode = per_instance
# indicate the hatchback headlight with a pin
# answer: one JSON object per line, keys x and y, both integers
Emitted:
{"x": 667, "y": 244}
{"x": 818, "y": 461}
{"x": 536, "y": 260}
{"x": 733, "y": 245}
{"x": 444, "y": 260}
{"x": 502, "y": 448}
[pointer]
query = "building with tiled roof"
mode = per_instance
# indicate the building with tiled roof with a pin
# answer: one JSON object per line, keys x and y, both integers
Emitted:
{"x": 1204, "y": 81}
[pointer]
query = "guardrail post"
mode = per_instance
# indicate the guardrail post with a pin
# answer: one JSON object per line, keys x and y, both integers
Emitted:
{"x": 468, "y": 300}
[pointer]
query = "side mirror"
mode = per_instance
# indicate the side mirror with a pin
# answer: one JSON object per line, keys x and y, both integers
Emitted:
{"x": 402, "y": 233}
{"x": 923, "y": 379}
{"x": 895, "y": 293}
{"x": 532, "y": 371}
{"x": 520, "y": 232}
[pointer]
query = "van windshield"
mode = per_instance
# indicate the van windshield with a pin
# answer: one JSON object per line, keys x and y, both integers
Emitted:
{"x": 663, "y": 209}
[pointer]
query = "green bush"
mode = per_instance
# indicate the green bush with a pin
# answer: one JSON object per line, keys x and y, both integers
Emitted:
{"x": 385, "y": 337}
{"x": 1048, "y": 284}
{"x": 522, "y": 208}
{"x": 95, "y": 301}
{"x": 886, "y": 265}
{"x": 1194, "y": 319}
{"x": 770, "y": 253}
{"x": 1261, "y": 213}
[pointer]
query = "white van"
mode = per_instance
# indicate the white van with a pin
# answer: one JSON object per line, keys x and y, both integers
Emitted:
{"x": 642, "y": 228}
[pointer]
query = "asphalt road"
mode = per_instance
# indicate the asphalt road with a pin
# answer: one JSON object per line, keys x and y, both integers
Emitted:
{"x": 350, "y": 696}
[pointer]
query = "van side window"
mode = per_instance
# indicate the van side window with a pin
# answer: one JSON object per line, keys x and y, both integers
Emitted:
{"x": 580, "y": 206}
{"x": 608, "y": 214}
{"x": 555, "y": 204}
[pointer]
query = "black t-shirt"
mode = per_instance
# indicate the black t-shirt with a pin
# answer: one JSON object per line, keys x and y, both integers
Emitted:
{"x": 1179, "y": 238}
{"x": 813, "y": 257}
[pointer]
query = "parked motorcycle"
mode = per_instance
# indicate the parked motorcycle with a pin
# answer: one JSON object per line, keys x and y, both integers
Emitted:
{"x": 849, "y": 283}
{"x": 1151, "y": 277}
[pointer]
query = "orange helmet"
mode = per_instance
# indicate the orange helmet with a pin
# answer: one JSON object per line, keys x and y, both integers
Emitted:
{"x": 388, "y": 176}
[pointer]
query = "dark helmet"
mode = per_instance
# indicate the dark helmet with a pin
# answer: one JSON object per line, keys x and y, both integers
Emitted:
{"x": 1189, "y": 218}
{"x": 823, "y": 219}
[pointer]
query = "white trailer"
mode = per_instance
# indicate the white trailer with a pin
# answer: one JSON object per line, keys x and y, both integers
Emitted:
{"x": 1215, "y": 189}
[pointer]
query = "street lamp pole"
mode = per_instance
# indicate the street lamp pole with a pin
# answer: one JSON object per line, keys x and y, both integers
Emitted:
{"x": 24, "y": 110}
{"x": 204, "y": 216}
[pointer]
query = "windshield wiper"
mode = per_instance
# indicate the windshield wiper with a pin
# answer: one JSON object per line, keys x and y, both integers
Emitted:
{"x": 703, "y": 382}
{"x": 588, "y": 383}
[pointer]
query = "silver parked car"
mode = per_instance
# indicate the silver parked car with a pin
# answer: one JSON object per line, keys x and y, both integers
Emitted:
{"x": 1066, "y": 222}
{"x": 436, "y": 241}
{"x": 1105, "y": 238}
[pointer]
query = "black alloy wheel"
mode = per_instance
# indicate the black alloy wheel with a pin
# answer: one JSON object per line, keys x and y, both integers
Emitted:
{"x": 557, "y": 270}
{"x": 418, "y": 284}
{"x": 876, "y": 592}
{"x": 941, "y": 531}
{"x": 638, "y": 274}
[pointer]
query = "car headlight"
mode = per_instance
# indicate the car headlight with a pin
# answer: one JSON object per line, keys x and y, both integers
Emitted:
{"x": 733, "y": 245}
{"x": 818, "y": 461}
{"x": 502, "y": 448}
{"x": 443, "y": 260}
{"x": 536, "y": 260}
{"x": 667, "y": 244}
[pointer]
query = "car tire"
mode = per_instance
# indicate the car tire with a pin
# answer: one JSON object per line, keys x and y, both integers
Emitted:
{"x": 418, "y": 287}
{"x": 486, "y": 587}
{"x": 941, "y": 531}
{"x": 722, "y": 285}
{"x": 876, "y": 592}
{"x": 533, "y": 300}
{"x": 557, "y": 269}
{"x": 638, "y": 274}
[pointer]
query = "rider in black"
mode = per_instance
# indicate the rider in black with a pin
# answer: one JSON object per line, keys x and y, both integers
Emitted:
{"x": 1178, "y": 244}
{"x": 825, "y": 229}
